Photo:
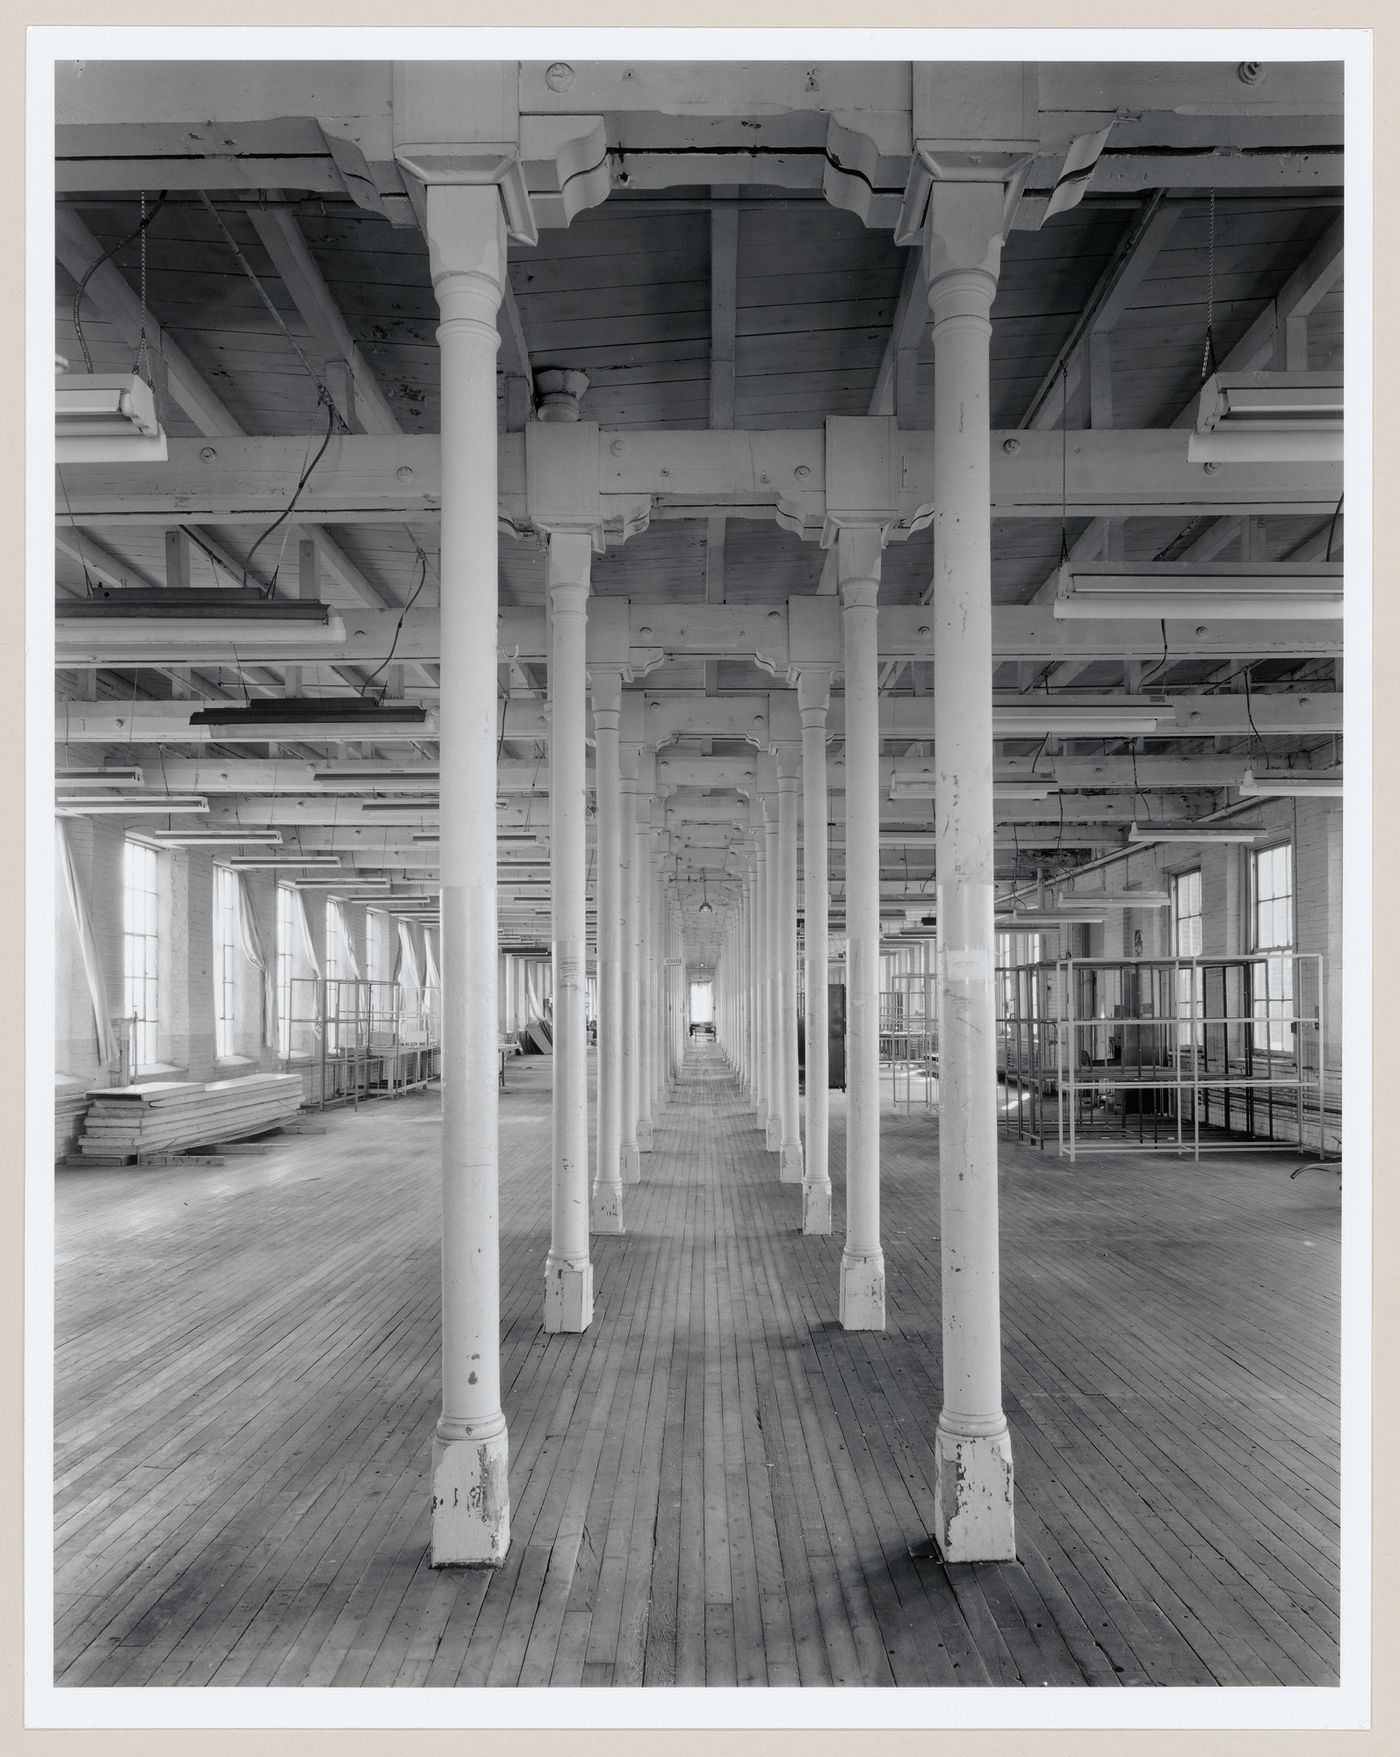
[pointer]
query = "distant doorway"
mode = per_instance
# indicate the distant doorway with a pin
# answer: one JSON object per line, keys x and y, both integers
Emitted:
{"x": 702, "y": 1009}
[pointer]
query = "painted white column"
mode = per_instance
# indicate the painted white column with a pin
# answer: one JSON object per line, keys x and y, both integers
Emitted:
{"x": 862, "y": 1305}
{"x": 790, "y": 1141}
{"x": 760, "y": 974}
{"x": 813, "y": 700}
{"x": 660, "y": 1007}
{"x": 641, "y": 881}
{"x": 568, "y": 1272}
{"x": 627, "y": 865}
{"x": 973, "y": 1494}
{"x": 471, "y": 1495}
{"x": 773, "y": 1124}
{"x": 606, "y": 1212}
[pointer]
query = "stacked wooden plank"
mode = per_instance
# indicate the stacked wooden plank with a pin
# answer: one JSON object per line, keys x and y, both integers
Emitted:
{"x": 127, "y": 1121}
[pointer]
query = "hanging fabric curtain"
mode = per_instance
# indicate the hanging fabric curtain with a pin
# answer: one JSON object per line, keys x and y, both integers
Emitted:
{"x": 408, "y": 965}
{"x": 251, "y": 941}
{"x": 107, "y": 1050}
{"x": 432, "y": 978}
{"x": 352, "y": 962}
{"x": 307, "y": 944}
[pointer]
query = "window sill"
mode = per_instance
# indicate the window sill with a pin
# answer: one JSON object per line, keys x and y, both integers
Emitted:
{"x": 235, "y": 1061}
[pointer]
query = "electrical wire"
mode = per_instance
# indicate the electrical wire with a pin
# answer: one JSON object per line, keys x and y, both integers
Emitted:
{"x": 1332, "y": 528}
{"x": 1249, "y": 710}
{"x": 1161, "y": 662}
{"x": 398, "y": 626}
{"x": 296, "y": 496}
{"x": 107, "y": 256}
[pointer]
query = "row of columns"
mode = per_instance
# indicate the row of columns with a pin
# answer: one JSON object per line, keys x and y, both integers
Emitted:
{"x": 638, "y": 1008}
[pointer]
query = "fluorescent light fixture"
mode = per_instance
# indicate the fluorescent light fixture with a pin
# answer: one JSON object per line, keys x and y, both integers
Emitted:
{"x": 420, "y": 806}
{"x": 1290, "y": 784}
{"x": 81, "y": 805}
{"x": 1268, "y": 417}
{"x": 501, "y": 836}
{"x": 100, "y": 778}
{"x": 918, "y": 784}
{"x": 424, "y": 777}
{"x": 1193, "y": 833}
{"x": 261, "y": 862}
{"x": 215, "y": 838}
{"x": 106, "y": 417}
{"x": 344, "y": 884}
{"x": 314, "y": 717}
{"x": 1116, "y": 900}
{"x": 1029, "y": 920}
{"x": 1225, "y": 591}
{"x": 1086, "y": 717}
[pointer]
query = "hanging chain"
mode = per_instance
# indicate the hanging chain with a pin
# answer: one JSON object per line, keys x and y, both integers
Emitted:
{"x": 1208, "y": 352}
{"x": 1064, "y": 463}
{"x": 142, "y": 352}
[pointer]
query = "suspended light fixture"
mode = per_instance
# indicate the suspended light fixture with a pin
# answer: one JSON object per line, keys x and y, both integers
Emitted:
{"x": 706, "y": 907}
{"x": 106, "y": 417}
{"x": 1268, "y": 417}
{"x": 918, "y": 784}
{"x": 1085, "y": 717}
{"x": 100, "y": 778}
{"x": 228, "y": 838}
{"x": 81, "y": 805}
{"x": 1290, "y": 785}
{"x": 313, "y": 717}
{"x": 1225, "y": 591}
{"x": 1179, "y": 832}
{"x": 263, "y": 862}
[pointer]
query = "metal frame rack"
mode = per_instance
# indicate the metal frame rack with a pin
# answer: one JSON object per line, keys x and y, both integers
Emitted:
{"x": 909, "y": 1035}
{"x": 1180, "y": 1055}
{"x": 362, "y": 1039}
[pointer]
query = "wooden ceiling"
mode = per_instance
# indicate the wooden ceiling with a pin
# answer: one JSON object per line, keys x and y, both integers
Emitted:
{"x": 751, "y": 305}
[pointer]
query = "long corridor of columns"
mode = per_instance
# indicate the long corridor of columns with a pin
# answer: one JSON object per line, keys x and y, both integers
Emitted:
{"x": 740, "y": 1375}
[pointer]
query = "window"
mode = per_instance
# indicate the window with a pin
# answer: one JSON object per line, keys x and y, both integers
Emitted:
{"x": 337, "y": 972}
{"x": 1188, "y": 941}
{"x": 1271, "y": 931}
{"x": 226, "y": 951}
{"x": 141, "y": 951}
{"x": 286, "y": 928}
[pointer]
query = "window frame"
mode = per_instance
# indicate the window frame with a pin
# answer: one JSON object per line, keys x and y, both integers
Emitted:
{"x": 226, "y": 953}
{"x": 141, "y": 991}
{"x": 1273, "y": 1011}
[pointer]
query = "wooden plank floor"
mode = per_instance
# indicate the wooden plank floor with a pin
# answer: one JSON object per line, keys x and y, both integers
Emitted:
{"x": 714, "y": 1485}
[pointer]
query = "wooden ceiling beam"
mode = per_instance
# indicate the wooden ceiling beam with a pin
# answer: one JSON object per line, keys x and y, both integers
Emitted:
{"x": 299, "y": 272}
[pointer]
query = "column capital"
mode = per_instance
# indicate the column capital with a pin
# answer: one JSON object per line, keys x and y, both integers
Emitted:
{"x": 813, "y": 692}
{"x": 858, "y": 549}
{"x": 962, "y": 247}
{"x": 459, "y": 123}
{"x": 789, "y": 767}
{"x": 605, "y": 684}
{"x": 466, "y": 237}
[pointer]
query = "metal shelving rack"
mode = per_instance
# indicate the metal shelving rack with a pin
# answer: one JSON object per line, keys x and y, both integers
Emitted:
{"x": 364, "y": 1039}
{"x": 1179, "y": 1055}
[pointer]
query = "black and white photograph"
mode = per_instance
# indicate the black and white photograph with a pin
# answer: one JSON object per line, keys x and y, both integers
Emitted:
{"x": 699, "y": 960}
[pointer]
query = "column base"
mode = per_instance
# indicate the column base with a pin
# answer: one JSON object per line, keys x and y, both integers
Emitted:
{"x": 631, "y": 1163}
{"x": 645, "y": 1135}
{"x": 790, "y": 1162}
{"x": 605, "y": 1209}
{"x": 773, "y": 1133}
{"x": 973, "y": 1499}
{"x": 816, "y": 1210}
{"x": 568, "y": 1297}
{"x": 760, "y": 1110}
{"x": 471, "y": 1501}
{"x": 862, "y": 1290}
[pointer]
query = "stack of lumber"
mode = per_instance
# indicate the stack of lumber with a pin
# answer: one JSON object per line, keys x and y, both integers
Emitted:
{"x": 123, "y": 1121}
